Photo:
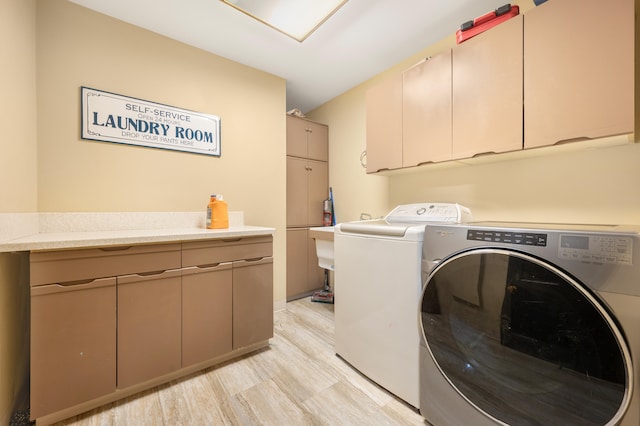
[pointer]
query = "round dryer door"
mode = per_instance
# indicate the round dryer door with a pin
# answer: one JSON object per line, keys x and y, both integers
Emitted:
{"x": 524, "y": 342}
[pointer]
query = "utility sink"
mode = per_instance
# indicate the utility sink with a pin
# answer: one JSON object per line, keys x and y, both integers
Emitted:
{"x": 324, "y": 245}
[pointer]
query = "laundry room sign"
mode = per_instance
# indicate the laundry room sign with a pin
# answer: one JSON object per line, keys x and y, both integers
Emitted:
{"x": 109, "y": 117}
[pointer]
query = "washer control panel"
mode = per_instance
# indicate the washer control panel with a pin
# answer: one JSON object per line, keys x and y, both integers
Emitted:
{"x": 429, "y": 212}
{"x": 611, "y": 249}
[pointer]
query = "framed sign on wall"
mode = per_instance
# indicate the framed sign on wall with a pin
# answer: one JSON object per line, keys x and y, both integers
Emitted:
{"x": 109, "y": 117}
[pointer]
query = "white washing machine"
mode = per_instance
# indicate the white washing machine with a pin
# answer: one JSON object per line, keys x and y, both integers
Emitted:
{"x": 528, "y": 324}
{"x": 377, "y": 286}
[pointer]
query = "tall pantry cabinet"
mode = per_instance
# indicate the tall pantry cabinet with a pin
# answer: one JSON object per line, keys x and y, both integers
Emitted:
{"x": 307, "y": 187}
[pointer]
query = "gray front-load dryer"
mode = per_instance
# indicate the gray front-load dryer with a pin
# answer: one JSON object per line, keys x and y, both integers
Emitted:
{"x": 527, "y": 324}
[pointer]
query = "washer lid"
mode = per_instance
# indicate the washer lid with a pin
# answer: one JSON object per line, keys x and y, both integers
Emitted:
{"x": 374, "y": 227}
{"x": 408, "y": 220}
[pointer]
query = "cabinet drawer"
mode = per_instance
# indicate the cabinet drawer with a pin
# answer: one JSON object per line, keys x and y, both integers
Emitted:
{"x": 217, "y": 251}
{"x": 76, "y": 265}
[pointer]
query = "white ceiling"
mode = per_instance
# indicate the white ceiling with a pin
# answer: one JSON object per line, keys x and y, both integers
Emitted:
{"x": 364, "y": 38}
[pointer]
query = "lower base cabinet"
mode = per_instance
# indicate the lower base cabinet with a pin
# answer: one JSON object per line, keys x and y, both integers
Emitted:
{"x": 187, "y": 306}
{"x": 149, "y": 332}
{"x": 304, "y": 276}
{"x": 252, "y": 301}
{"x": 73, "y": 344}
{"x": 206, "y": 312}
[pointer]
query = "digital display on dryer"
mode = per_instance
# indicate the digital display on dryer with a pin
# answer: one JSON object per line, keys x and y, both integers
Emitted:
{"x": 574, "y": 241}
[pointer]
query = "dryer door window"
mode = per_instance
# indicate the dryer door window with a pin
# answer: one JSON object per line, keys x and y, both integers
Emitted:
{"x": 523, "y": 341}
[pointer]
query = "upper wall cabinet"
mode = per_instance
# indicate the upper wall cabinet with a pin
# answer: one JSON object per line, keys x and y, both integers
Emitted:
{"x": 563, "y": 71}
{"x": 384, "y": 125}
{"x": 578, "y": 70}
{"x": 426, "y": 111}
{"x": 306, "y": 139}
{"x": 487, "y": 92}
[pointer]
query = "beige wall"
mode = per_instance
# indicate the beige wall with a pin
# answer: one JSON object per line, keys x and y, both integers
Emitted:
{"x": 18, "y": 172}
{"x": 78, "y": 47}
{"x": 56, "y": 47}
{"x": 18, "y": 188}
{"x": 583, "y": 183}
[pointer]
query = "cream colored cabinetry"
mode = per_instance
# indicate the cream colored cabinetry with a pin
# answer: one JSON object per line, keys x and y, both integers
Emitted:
{"x": 307, "y": 188}
{"x": 384, "y": 125}
{"x": 252, "y": 301}
{"x": 487, "y": 92}
{"x": 578, "y": 71}
{"x": 426, "y": 111}
{"x": 561, "y": 72}
{"x": 149, "y": 334}
{"x": 242, "y": 270}
{"x": 73, "y": 320}
{"x": 307, "y": 139}
{"x": 457, "y": 104}
{"x": 109, "y": 322}
{"x": 303, "y": 273}
{"x": 207, "y": 309}
{"x": 73, "y": 344}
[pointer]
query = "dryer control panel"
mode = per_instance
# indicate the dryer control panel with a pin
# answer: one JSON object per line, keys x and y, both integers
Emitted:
{"x": 610, "y": 249}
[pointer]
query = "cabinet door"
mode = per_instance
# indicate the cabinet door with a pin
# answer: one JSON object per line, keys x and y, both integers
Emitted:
{"x": 297, "y": 197}
{"x": 206, "y": 312}
{"x": 318, "y": 191}
{"x": 306, "y": 139}
{"x": 73, "y": 344}
{"x": 384, "y": 125}
{"x": 252, "y": 301}
{"x": 426, "y": 111}
{"x": 317, "y": 141}
{"x": 307, "y": 188}
{"x": 296, "y": 137}
{"x": 303, "y": 273}
{"x": 578, "y": 70}
{"x": 297, "y": 258}
{"x": 487, "y": 91}
{"x": 315, "y": 274}
{"x": 149, "y": 328}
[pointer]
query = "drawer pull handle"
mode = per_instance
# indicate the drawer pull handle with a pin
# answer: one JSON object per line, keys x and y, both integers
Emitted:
{"x": 116, "y": 248}
{"x": 571, "y": 140}
{"x": 150, "y": 273}
{"x": 482, "y": 154}
{"x": 210, "y": 265}
{"x": 73, "y": 283}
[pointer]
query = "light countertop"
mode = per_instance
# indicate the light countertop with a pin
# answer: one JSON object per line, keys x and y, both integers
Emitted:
{"x": 75, "y": 232}
{"x": 66, "y": 240}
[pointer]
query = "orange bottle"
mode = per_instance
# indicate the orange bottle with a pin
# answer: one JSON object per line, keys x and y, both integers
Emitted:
{"x": 217, "y": 213}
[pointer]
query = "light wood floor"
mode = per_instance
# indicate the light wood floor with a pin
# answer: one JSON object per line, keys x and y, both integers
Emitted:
{"x": 298, "y": 380}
